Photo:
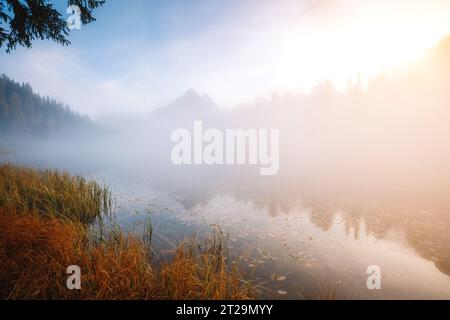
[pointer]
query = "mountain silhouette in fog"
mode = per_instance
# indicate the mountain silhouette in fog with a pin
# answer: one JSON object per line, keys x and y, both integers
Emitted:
{"x": 190, "y": 105}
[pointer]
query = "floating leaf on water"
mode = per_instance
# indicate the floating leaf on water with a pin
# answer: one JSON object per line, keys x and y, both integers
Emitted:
{"x": 278, "y": 277}
{"x": 270, "y": 258}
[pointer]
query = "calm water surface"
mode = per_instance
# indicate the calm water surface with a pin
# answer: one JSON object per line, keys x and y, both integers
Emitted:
{"x": 298, "y": 250}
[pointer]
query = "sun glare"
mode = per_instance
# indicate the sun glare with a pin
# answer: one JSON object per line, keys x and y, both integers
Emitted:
{"x": 366, "y": 44}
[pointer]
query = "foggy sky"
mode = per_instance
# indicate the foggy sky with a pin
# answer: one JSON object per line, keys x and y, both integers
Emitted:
{"x": 136, "y": 58}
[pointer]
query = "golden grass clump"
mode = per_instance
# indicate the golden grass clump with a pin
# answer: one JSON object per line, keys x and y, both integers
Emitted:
{"x": 203, "y": 273}
{"x": 36, "y": 251}
{"x": 52, "y": 194}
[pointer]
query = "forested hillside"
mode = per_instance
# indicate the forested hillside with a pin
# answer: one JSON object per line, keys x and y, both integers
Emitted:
{"x": 23, "y": 112}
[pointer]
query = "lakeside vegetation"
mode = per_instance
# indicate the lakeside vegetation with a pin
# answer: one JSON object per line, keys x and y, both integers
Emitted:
{"x": 49, "y": 193}
{"x": 46, "y": 225}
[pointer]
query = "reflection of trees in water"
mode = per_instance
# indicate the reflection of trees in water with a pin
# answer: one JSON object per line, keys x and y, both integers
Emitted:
{"x": 352, "y": 222}
{"x": 322, "y": 217}
{"x": 429, "y": 234}
{"x": 427, "y": 231}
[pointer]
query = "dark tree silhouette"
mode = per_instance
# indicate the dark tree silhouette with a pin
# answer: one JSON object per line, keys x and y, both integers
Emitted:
{"x": 22, "y": 21}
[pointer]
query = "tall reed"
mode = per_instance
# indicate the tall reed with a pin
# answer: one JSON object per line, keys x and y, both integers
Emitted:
{"x": 53, "y": 194}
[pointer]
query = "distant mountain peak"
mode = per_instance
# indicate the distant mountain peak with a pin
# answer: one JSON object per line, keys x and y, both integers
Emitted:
{"x": 190, "y": 102}
{"x": 192, "y": 97}
{"x": 191, "y": 93}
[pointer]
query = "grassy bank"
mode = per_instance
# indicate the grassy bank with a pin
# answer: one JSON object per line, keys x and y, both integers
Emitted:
{"x": 51, "y": 193}
{"x": 43, "y": 231}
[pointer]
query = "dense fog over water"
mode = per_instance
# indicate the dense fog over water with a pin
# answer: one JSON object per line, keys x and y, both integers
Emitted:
{"x": 387, "y": 137}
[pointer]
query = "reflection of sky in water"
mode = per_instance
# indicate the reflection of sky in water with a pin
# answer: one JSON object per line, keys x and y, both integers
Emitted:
{"x": 297, "y": 251}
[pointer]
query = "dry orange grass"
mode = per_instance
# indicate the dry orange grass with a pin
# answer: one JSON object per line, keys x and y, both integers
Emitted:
{"x": 36, "y": 251}
{"x": 203, "y": 274}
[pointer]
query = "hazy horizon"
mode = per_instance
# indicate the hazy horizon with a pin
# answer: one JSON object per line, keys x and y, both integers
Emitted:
{"x": 235, "y": 52}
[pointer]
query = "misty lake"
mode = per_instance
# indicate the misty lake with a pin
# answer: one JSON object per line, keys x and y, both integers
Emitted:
{"x": 301, "y": 252}
{"x": 293, "y": 247}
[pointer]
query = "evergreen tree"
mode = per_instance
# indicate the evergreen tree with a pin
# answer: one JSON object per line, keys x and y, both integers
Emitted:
{"x": 21, "y": 22}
